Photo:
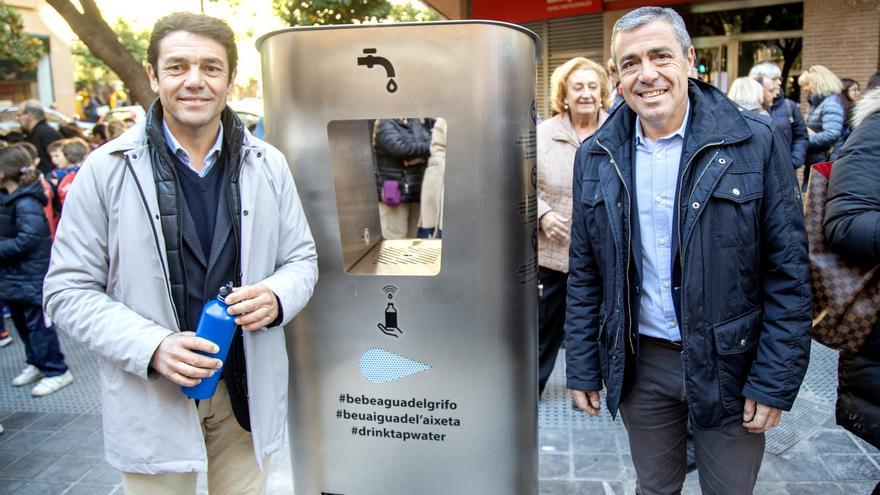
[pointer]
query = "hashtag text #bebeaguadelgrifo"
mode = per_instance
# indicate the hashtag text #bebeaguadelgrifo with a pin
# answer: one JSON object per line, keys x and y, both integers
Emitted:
{"x": 409, "y": 419}
{"x": 404, "y": 436}
{"x": 413, "y": 403}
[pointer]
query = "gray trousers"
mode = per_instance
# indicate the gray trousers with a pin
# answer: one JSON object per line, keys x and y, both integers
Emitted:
{"x": 655, "y": 415}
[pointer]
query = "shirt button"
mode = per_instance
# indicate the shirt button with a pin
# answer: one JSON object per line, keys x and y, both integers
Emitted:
{"x": 659, "y": 199}
{"x": 670, "y": 324}
{"x": 662, "y": 241}
{"x": 666, "y": 285}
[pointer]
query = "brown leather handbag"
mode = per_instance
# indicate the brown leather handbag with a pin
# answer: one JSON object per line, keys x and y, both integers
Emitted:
{"x": 846, "y": 297}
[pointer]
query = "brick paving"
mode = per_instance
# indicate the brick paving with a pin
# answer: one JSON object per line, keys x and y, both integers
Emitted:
{"x": 53, "y": 445}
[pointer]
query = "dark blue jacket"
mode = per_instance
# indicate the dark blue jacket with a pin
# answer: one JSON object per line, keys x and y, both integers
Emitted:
{"x": 396, "y": 142}
{"x": 740, "y": 269}
{"x": 24, "y": 244}
{"x": 786, "y": 115}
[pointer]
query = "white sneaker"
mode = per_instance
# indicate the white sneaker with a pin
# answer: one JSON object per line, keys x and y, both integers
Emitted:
{"x": 5, "y": 341}
{"x": 29, "y": 374}
{"x": 1, "y": 428}
{"x": 52, "y": 384}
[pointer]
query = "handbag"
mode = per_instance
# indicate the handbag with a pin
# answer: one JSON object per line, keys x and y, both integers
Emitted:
{"x": 846, "y": 296}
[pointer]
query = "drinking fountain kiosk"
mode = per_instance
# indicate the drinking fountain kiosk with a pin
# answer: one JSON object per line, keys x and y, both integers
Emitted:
{"x": 413, "y": 367}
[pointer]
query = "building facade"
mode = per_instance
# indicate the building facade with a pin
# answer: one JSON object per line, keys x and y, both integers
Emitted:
{"x": 729, "y": 36}
{"x": 52, "y": 83}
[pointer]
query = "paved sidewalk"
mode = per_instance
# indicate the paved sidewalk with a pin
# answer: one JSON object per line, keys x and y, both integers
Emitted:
{"x": 53, "y": 445}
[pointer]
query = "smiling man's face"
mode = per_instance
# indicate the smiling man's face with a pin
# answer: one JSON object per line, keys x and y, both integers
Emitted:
{"x": 653, "y": 74}
{"x": 193, "y": 80}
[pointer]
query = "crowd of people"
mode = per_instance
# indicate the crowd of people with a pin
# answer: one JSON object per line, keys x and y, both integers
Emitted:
{"x": 37, "y": 168}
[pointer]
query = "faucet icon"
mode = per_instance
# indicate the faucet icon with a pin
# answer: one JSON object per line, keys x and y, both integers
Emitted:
{"x": 371, "y": 61}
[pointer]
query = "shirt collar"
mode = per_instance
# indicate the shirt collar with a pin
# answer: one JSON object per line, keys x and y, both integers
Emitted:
{"x": 175, "y": 147}
{"x": 640, "y": 138}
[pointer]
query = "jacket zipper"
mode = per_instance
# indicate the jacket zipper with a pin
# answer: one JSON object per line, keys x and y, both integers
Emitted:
{"x": 627, "y": 251}
{"x": 681, "y": 328}
{"x": 155, "y": 236}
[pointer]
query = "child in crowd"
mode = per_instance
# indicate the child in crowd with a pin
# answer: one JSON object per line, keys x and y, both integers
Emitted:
{"x": 24, "y": 259}
{"x": 67, "y": 155}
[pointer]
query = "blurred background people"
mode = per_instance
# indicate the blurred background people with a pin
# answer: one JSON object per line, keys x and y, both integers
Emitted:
{"x": 749, "y": 94}
{"x": 824, "y": 118}
{"x": 24, "y": 260}
{"x": 849, "y": 95}
{"x": 579, "y": 94}
{"x": 32, "y": 118}
{"x": 786, "y": 113}
{"x": 431, "y": 202}
{"x": 852, "y": 226}
{"x": 402, "y": 148}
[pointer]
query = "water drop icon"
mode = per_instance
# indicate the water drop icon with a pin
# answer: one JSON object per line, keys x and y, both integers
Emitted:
{"x": 391, "y": 86}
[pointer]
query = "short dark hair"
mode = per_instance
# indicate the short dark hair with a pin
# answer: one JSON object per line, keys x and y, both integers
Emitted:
{"x": 35, "y": 108}
{"x": 203, "y": 25}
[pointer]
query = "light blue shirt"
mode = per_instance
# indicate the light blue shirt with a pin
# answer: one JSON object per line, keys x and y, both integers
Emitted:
{"x": 210, "y": 159}
{"x": 656, "y": 175}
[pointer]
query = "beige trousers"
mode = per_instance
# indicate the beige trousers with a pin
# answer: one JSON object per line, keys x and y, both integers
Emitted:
{"x": 232, "y": 468}
{"x": 399, "y": 222}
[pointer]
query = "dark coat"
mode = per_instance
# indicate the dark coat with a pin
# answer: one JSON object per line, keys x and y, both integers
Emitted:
{"x": 24, "y": 244}
{"x": 852, "y": 225}
{"x": 787, "y": 117}
{"x": 396, "y": 142}
{"x": 41, "y": 136}
{"x": 740, "y": 270}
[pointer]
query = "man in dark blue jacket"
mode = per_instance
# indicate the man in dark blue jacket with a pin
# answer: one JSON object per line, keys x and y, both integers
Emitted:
{"x": 689, "y": 292}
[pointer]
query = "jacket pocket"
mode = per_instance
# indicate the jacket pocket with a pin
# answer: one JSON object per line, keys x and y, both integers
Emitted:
{"x": 595, "y": 218}
{"x": 735, "y": 351}
{"x": 737, "y": 205}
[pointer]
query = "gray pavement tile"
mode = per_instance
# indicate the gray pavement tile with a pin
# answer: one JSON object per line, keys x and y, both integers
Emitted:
{"x": 4, "y": 413}
{"x": 52, "y": 422}
{"x": 18, "y": 420}
{"x": 593, "y": 442}
{"x": 554, "y": 440}
{"x": 552, "y": 487}
{"x": 598, "y": 467}
{"x": 23, "y": 441}
{"x": 815, "y": 489}
{"x": 67, "y": 469}
{"x": 795, "y": 466}
{"x": 629, "y": 471}
{"x": 865, "y": 445}
{"x": 118, "y": 491}
{"x": 62, "y": 442}
{"x": 90, "y": 489}
{"x": 597, "y": 488}
{"x": 772, "y": 488}
{"x": 7, "y": 458}
{"x": 858, "y": 487}
{"x": 9, "y": 486}
{"x": 554, "y": 466}
{"x": 43, "y": 488}
{"x": 93, "y": 446}
{"x": 845, "y": 467}
{"x": 89, "y": 423}
{"x": 101, "y": 473}
{"x": 28, "y": 467}
{"x": 829, "y": 441}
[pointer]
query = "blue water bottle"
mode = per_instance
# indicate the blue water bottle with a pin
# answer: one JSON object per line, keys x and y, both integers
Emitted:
{"x": 217, "y": 326}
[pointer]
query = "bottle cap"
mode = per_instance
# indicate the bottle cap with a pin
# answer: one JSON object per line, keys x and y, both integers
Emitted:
{"x": 224, "y": 291}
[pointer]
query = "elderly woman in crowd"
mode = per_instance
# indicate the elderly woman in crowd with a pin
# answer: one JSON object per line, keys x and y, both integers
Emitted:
{"x": 825, "y": 116}
{"x": 852, "y": 226}
{"x": 579, "y": 94}
{"x": 786, "y": 114}
{"x": 749, "y": 94}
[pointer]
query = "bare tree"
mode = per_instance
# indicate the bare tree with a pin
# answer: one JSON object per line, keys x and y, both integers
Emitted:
{"x": 91, "y": 28}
